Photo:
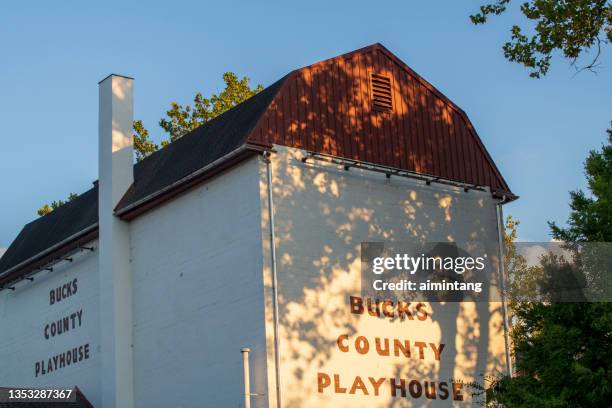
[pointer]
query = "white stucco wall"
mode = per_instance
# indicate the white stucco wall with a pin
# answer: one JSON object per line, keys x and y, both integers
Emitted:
{"x": 24, "y": 314}
{"x": 198, "y": 295}
{"x": 198, "y": 298}
{"x": 322, "y": 214}
{"x": 202, "y": 291}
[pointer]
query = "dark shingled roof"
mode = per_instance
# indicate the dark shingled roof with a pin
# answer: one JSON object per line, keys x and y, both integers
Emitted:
{"x": 198, "y": 148}
{"x": 195, "y": 150}
{"x": 53, "y": 228}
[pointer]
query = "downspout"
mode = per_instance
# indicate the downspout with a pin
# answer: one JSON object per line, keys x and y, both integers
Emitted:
{"x": 266, "y": 157}
{"x": 245, "y": 372}
{"x": 502, "y": 269}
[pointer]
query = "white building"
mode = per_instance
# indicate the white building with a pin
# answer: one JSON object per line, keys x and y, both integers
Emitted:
{"x": 143, "y": 290}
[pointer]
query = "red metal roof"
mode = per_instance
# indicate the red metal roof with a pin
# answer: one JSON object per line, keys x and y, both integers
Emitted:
{"x": 327, "y": 108}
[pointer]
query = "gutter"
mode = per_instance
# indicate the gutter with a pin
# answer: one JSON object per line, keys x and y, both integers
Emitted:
{"x": 502, "y": 272}
{"x": 504, "y": 196}
{"x": 127, "y": 212}
{"x": 275, "y": 311}
{"x": 6, "y": 275}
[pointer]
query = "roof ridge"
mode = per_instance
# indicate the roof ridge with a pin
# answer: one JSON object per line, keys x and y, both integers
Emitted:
{"x": 62, "y": 208}
{"x": 325, "y": 61}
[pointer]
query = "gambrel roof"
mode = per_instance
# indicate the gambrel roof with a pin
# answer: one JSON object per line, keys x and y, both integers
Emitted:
{"x": 366, "y": 105}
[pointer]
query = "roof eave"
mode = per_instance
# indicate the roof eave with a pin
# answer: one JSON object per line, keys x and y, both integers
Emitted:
{"x": 504, "y": 196}
{"x": 139, "y": 207}
{"x": 48, "y": 255}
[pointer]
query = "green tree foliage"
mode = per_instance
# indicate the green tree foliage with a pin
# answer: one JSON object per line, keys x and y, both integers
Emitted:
{"x": 183, "y": 119}
{"x": 564, "y": 350}
{"x": 591, "y": 216}
{"x": 564, "y": 357}
{"x": 143, "y": 146}
{"x": 47, "y": 208}
{"x": 522, "y": 284}
{"x": 573, "y": 27}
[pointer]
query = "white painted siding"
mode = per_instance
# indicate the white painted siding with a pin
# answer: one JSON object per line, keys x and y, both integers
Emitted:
{"x": 25, "y": 312}
{"x": 202, "y": 291}
{"x": 198, "y": 295}
{"x": 322, "y": 214}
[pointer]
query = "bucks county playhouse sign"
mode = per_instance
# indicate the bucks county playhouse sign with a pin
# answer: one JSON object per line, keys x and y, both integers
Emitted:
{"x": 65, "y": 324}
{"x": 385, "y": 347}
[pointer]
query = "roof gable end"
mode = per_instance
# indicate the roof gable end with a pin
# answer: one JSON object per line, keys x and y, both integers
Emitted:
{"x": 328, "y": 108}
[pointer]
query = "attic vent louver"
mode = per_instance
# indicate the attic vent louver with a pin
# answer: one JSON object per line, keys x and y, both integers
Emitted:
{"x": 381, "y": 92}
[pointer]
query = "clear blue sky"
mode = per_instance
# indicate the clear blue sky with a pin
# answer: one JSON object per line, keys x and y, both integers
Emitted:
{"x": 52, "y": 54}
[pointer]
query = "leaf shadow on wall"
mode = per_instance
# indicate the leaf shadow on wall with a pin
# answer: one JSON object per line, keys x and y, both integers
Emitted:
{"x": 324, "y": 212}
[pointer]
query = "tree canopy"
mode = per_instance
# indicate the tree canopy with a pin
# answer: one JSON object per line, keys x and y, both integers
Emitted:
{"x": 591, "y": 216}
{"x": 181, "y": 119}
{"x": 573, "y": 27}
{"x": 563, "y": 350}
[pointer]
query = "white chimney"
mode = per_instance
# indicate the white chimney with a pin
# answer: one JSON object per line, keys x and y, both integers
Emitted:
{"x": 115, "y": 169}
{"x": 116, "y": 147}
